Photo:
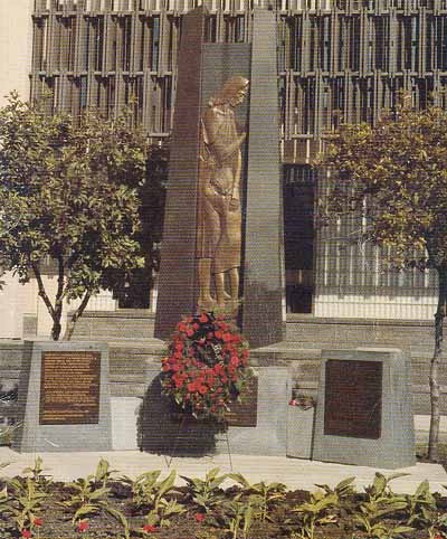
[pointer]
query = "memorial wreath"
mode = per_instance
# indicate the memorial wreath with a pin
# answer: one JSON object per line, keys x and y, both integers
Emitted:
{"x": 207, "y": 366}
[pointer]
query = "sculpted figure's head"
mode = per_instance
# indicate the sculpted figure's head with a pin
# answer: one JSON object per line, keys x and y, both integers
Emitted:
{"x": 233, "y": 92}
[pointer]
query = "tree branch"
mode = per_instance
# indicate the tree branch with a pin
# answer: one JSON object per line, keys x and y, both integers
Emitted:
{"x": 60, "y": 286}
{"x": 76, "y": 315}
{"x": 42, "y": 292}
{"x": 434, "y": 366}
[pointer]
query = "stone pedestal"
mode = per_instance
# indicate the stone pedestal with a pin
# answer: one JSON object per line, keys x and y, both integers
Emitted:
{"x": 64, "y": 398}
{"x": 162, "y": 433}
{"x": 300, "y": 432}
{"x": 364, "y": 413}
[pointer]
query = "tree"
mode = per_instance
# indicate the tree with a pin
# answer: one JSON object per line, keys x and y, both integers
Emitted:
{"x": 68, "y": 199}
{"x": 395, "y": 174}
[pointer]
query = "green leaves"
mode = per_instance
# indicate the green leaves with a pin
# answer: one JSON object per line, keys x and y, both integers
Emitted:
{"x": 395, "y": 175}
{"x": 23, "y": 500}
{"x": 70, "y": 192}
{"x": 207, "y": 493}
{"x": 148, "y": 491}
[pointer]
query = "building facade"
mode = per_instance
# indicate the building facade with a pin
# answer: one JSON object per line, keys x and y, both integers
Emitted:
{"x": 339, "y": 60}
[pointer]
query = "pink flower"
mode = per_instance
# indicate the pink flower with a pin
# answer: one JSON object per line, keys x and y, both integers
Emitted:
{"x": 199, "y": 517}
{"x": 37, "y": 522}
{"x": 83, "y": 526}
{"x": 26, "y": 534}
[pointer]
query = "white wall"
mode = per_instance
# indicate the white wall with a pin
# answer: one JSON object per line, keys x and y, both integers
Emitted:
{"x": 15, "y": 64}
{"x": 375, "y": 306}
{"x": 15, "y": 47}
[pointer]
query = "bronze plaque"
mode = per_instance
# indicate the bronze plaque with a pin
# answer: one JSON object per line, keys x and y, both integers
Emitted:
{"x": 69, "y": 388}
{"x": 245, "y": 412}
{"x": 353, "y": 399}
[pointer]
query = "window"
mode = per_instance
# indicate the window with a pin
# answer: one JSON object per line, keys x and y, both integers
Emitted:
{"x": 154, "y": 43}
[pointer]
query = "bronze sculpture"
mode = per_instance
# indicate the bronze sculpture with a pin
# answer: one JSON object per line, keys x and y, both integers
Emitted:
{"x": 219, "y": 211}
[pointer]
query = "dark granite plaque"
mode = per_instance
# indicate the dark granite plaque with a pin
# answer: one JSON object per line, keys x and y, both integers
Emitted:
{"x": 245, "y": 412}
{"x": 353, "y": 399}
{"x": 70, "y": 388}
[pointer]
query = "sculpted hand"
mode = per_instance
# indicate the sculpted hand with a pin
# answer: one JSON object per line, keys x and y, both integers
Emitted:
{"x": 234, "y": 204}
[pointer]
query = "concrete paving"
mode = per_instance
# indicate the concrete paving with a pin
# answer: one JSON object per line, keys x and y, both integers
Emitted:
{"x": 295, "y": 473}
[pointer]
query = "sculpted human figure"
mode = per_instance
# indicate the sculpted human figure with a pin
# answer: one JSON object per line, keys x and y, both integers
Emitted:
{"x": 219, "y": 211}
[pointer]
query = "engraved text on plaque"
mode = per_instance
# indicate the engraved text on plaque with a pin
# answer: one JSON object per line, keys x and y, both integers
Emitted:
{"x": 70, "y": 386}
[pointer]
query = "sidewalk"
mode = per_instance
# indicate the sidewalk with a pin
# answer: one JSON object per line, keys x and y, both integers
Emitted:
{"x": 295, "y": 473}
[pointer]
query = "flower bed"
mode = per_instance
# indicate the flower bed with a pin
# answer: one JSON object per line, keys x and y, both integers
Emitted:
{"x": 220, "y": 506}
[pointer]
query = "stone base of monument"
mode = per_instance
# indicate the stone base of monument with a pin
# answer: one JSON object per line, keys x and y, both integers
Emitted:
{"x": 261, "y": 430}
{"x": 364, "y": 414}
{"x": 64, "y": 398}
{"x": 300, "y": 432}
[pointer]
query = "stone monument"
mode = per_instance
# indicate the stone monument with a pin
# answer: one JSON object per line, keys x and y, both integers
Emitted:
{"x": 364, "y": 409}
{"x": 64, "y": 398}
{"x": 222, "y": 239}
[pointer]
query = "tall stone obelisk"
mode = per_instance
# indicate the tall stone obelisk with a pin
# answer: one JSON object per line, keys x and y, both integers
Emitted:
{"x": 223, "y": 217}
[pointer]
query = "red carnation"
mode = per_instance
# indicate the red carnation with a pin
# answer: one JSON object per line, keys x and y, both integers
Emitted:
{"x": 199, "y": 517}
{"x": 149, "y": 528}
{"x": 26, "y": 534}
{"x": 83, "y": 526}
{"x": 201, "y": 369}
{"x": 38, "y": 522}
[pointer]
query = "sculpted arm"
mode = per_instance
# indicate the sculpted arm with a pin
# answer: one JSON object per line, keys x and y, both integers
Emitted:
{"x": 220, "y": 148}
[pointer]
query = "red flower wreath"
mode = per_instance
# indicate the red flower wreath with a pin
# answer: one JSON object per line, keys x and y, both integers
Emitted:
{"x": 207, "y": 366}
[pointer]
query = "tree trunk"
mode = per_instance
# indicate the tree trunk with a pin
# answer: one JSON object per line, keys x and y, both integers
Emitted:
{"x": 55, "y": 314}
{"x": 435, "y": 415}
{"x": 76, "y": 315}
{"x": 56, "y": 330}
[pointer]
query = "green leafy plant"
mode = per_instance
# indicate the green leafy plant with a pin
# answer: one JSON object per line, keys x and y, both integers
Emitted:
{"x": 150, "y": 494}
{"x": 381, "y": 502}
{"x": 264, "y": 495}
{"x": 316, "y": 512}
{"x": 89, "y": 496}
{"x": 239, "y": 516}
{"x": 342, "y": 490}
{"x": 36, "y": 472}
{"x": 23, "y": 502}
{"x": 163, "y": 511}
{"x": 103, "y": 473}
{"x": 421, "y": 506}
{"x": 206, "y": 493}
{"x": 437, "y": 529}
{"x": 147, "y": 492}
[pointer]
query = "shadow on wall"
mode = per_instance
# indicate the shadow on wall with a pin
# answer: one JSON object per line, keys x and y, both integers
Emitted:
{"x": 163, "y": 431}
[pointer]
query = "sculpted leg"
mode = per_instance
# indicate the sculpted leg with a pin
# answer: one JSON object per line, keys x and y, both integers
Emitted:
{"x": 205, "y": 301}
{"x": 234, "y": 283}
{"x": 219, "y": 279}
